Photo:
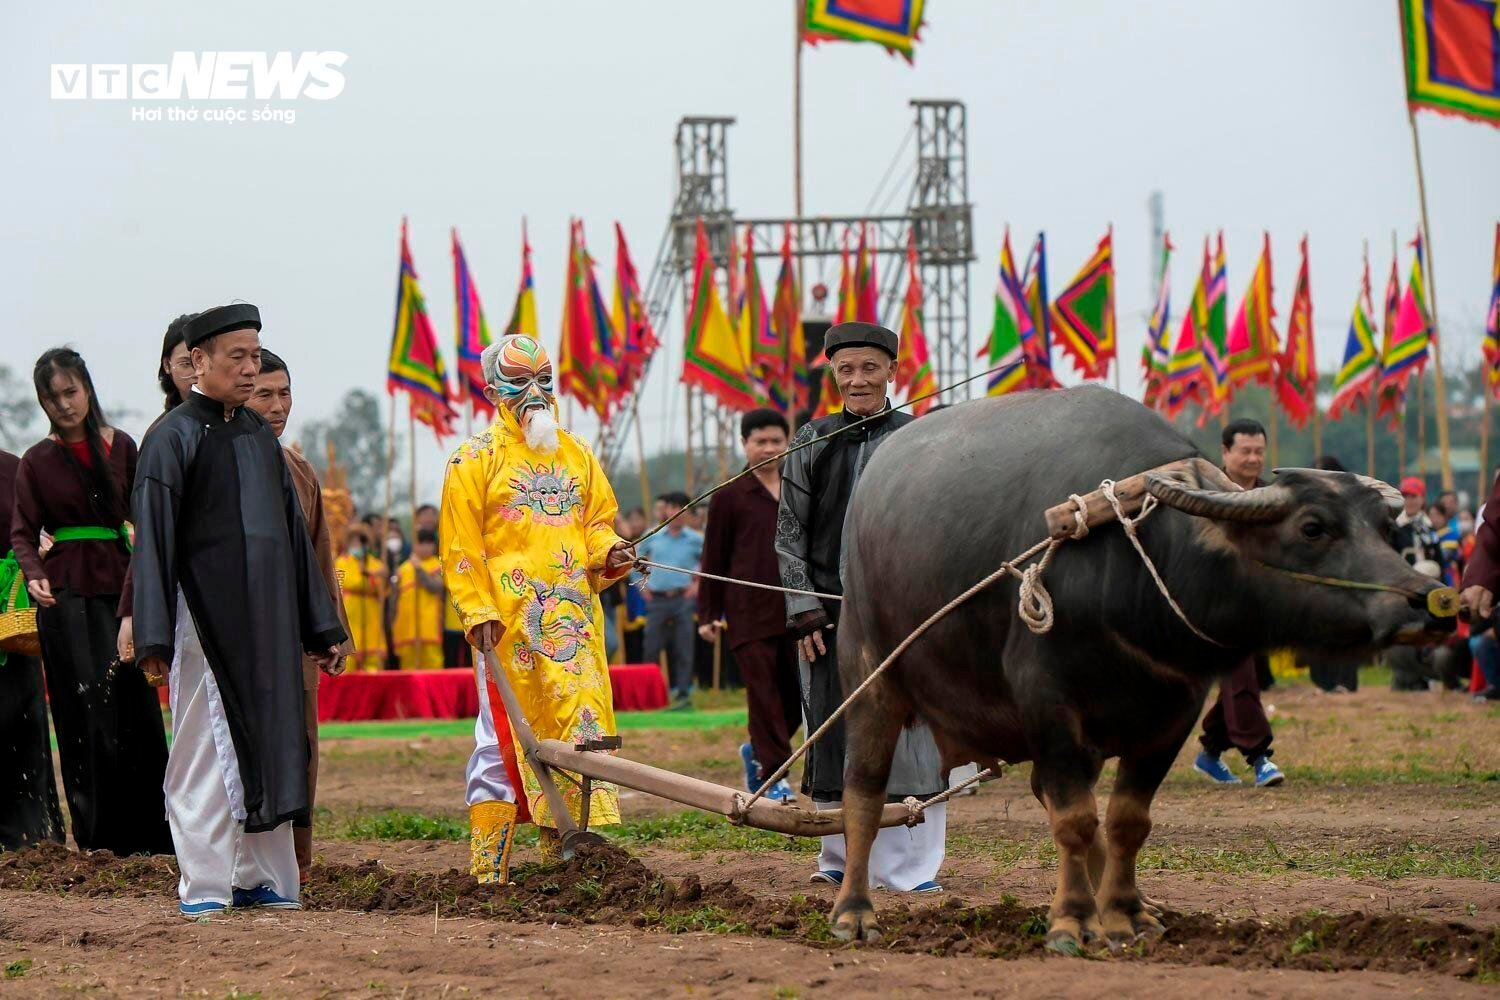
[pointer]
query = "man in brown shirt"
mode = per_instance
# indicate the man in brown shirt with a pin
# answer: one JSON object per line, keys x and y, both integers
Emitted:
{"x": 272, "y": 399}
{"x": 740, "y": 542}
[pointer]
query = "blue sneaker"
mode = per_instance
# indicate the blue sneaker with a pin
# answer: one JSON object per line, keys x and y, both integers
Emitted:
{"x": 781, "y": 792}
{"x": 928, "y": 886}
{"x": 1215, "y": 770}
{"x": 205, "y": 909}
{"x": 828, "y": 876}
{"x": 1267, "y": 774}
{"x": 752, "y": 769}
{"x": 263, "y": 897}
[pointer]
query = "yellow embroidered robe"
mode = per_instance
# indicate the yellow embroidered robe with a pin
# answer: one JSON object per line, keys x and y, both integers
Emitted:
{"x": 363, "y": 586}
{"x": 418, "y": 628}
{"x": 525, "y": 535}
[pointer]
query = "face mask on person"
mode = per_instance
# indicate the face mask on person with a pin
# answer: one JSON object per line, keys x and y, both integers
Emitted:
{"x": 357, "y": 551}
{"x": 1465, "y": 526}
{"x": 393, "y": 545}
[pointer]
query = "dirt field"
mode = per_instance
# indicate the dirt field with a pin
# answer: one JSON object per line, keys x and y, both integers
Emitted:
{"x": 1374, "y": 872}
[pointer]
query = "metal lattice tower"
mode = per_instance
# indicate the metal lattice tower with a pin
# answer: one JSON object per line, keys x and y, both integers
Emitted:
{"x": 938, "y": 212}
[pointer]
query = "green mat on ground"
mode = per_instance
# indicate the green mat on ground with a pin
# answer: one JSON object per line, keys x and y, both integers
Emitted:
{"x": 436, "y": 728}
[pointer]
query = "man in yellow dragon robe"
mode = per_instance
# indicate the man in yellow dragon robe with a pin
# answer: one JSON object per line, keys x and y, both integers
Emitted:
{"x": 528, "y": 541}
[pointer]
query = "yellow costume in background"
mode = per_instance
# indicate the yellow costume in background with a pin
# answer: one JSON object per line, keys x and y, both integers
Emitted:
{"x": 525, "y": 535}
{"x": 418, "y": 630}
{"x": 363, "y": 584}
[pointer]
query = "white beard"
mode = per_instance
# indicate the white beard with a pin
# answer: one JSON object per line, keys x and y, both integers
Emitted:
{"x": 541, "y": 430}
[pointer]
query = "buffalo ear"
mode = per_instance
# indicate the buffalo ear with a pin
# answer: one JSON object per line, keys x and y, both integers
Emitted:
{"x": 1262, "y": 505}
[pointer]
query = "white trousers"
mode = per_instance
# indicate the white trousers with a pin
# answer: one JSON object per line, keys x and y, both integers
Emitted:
{"x": 902, "y": 857}
{"x": 485, "y": 779}
{"x": 205, "y": 799}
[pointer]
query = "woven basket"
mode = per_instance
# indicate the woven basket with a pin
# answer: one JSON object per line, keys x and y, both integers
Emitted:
{"x": 18, "y": 625}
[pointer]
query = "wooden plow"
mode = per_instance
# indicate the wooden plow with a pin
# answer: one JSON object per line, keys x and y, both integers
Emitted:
{"x": 554, "y": 761}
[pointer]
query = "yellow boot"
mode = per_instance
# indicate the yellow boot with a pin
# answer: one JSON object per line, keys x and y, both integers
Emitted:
{"x": 549, "y": 844}
{"x": 492, "y": 829}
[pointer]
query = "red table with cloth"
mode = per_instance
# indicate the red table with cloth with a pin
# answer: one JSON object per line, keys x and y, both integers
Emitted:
{"x": 450, "y": 694}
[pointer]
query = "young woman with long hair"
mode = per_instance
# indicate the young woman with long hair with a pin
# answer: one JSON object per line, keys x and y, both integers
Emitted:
{"x": 74, "y": 485}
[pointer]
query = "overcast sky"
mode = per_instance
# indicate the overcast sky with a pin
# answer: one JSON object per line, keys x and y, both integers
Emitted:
{"x": 1286, "y": 116}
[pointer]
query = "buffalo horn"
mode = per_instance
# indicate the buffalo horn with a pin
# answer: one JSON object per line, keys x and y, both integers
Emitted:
{"x": 1261, "y": 505}
{"x": 1388, "y": 493}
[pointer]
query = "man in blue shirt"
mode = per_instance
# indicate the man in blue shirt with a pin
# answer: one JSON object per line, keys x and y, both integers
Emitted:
{"x": 670, "y": 596}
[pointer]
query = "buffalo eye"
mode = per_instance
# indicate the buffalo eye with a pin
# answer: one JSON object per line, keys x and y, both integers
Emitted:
{"x": 1313, "y": 530}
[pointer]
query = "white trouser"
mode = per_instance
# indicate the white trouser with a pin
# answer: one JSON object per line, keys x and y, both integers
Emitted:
{"x": 205, "y": 800}
{"x": 902, "y": 857}
{"x": 485, "y": 778}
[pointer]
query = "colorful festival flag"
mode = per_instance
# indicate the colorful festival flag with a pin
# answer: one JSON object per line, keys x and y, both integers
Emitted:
{"x": 711, "y": 356}
{"x": 1038, "y": 346}
{"x": 473, "y": 332}
{"x": 1297, "y": 368}
{"x": 629, "y": 319}
{"x": 1187, "y": 380}
{"x": 523, "y": 314}
{"x": 416, "y": 365}
{"x": 848, "y": 306}
{"x": 914, "y": 371}
{"x": 1156, "y": 354}
{"x": 1005, "y": 356}
{"x": 1391, "y": 386}
{"x": 791, "y": 387}
{"x": 575, "y": 354}
{"x": 766, "y": 353}
{"x": 866, "y": 285}
{"x": 1452, "y": 50}
{"x": 1491, "y": 343}
{"x": 1214, "y": 337}
{"x": 1413, "y": 322}
{"x": 893, "y": 24}
{"x": 1252, "y": 340}
{"x": 603, "y": 339}
{"x": 1356, "y": 377}
{"x": 1084, "y": 313}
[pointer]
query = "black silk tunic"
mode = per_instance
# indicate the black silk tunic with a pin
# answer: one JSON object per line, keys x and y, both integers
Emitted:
{"x": 216, "y": 514}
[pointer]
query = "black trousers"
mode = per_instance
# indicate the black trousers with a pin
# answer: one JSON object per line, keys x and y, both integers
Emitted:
{"x": 110, "y": 737}
{"x": 455, "y": 649}
{"x": 768, "y": 668}
{"x": 1237, "y": 718}
{"x": 29, "y": 813}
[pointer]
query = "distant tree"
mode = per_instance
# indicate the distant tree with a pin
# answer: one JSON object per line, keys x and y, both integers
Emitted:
{"x": 18, "y": 409}
{"x": 358, "y": 436}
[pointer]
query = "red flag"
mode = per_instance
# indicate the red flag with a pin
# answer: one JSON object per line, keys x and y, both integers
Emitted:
{"x": 416, "y": 365}
{"x": 1297, "y": 368}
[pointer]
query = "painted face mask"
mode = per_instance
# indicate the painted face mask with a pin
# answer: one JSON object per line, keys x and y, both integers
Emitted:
{"x": 523, "y": 376}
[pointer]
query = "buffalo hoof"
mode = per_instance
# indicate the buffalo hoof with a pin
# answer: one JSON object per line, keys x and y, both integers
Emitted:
{"x": 1152, "y": 906}
{"x": 856, "y": 924}
{"x": 1069, "y": 935}
{"x": 1148, "y": 923}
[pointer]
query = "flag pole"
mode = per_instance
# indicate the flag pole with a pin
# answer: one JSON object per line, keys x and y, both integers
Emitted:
{"x": 1440, "y": 401}
{"x": 688, "y": 462}
{"x": 416, "y": 598}
{"x": 1370, "y": 436}
{"x": 1317, "y": 427}
{"x": 390, "y": 467}
{"x": 1271, "y": 442}
{"x": 1482, "y": 492}
{"x": 640, "y": 459}
{"x": 1422, "y": 424}
{"x": 797, "y": 9}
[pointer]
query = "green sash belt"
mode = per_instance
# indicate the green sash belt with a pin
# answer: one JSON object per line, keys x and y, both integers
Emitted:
{"x": 91, "y": 533}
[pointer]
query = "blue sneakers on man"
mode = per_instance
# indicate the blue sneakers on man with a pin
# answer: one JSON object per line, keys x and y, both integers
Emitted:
{"x": 1210, "y": 766}
{"x": 207, "y": 908}
{"x": 781, "y": 792}
{"x": 752, "y": 768}
{"x": 1267, "y": 774}
{"x": 827, "y": 876}
{"x": 264, "y": 897}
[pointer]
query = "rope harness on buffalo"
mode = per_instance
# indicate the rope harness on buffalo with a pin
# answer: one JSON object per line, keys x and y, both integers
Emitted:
{"x": 1033, "y": 606}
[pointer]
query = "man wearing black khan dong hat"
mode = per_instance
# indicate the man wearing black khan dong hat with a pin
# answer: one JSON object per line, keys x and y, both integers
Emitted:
{"x": 228, "y": 594}
{"x": 816, "y": 484}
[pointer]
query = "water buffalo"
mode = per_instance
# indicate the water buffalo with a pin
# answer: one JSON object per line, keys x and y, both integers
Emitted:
{"x": 949, "y": 498}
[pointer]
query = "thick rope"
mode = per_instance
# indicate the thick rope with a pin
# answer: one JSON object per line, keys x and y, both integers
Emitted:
{"x": 1033, "y": 606}
{"x": 1129, "y": 524}
{"x": 649, "y": 564}
{"x": 916, "y": 807}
